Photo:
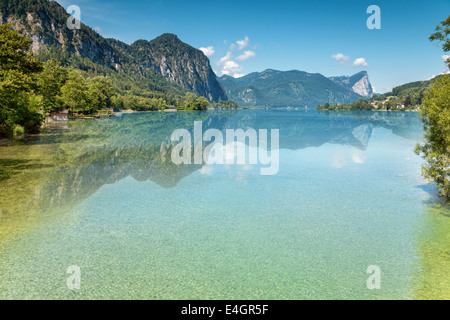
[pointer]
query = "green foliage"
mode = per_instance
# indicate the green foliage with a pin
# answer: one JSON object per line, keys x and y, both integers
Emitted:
{"x": 442, "y": 34}
{"x": 82, "y": 94}
{"x": 436, "y": 149}
{"x": 407, "y": 102}
{"x": 31, "y": 117}
{"x": 436, "y": 118}
{"x": 101, "y": 92}
{"x": 75, "y": 95}
{"x": 19, "y": 131}
{"x": 229, "y": 104}
{"x": 191, "y": 102}
{"x": 138, "y": 103}
{"x": 17, "y": 83}
{"x": 49, "y": 82}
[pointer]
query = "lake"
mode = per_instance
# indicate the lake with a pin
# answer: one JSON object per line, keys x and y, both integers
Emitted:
{"x": 105, "y": 196}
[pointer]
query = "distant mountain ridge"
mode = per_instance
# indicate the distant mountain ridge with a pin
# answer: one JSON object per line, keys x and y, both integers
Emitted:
{"x": 273, "y": 88}
{"x": 176, "y": 63}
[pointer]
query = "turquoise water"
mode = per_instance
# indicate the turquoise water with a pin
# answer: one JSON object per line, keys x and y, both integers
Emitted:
{"x": 349, "y": 194}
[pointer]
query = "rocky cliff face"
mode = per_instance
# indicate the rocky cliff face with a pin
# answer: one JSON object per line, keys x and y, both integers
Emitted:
{"x": 45, "y": 23}
{"x": 358, "y": 83}
{"x": 180, "y": 63}
{"x": 363, "y": 87}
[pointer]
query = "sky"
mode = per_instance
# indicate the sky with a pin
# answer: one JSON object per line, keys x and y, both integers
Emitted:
{"x": 323, "y": 36}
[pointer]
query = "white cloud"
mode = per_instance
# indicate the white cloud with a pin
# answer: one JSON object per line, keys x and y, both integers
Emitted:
{"x": 98, "y": 29}
{"x": 360, "y": 62}
{"x": 343, "y": 59}
{"x": 242, "y": 44}
{"x": 247, "y": 54}
{"x": 340, "y": 58}
{"x": 208, "y": 51}
{"x": 229, "y": 67}
{"x": 224, "y": 58}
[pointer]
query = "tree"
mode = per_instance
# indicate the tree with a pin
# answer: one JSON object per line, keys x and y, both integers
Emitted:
{"x": 436, "y": 150}
{"x": 435, "y": 115}
{"x": 417, "y": 97}
{"x": 407, "y": 102}
{"x": 390, "y": 104}
{"x": 101, "y": 92}
{"x": 188, "y": 101}
{"x": 118, "y": 102}
{"x": 192, "y": 102}
{"x": 50, "y": 82}
{"x": 442, "y": 34}
{"x": 17, "y": 83}
{"x": 201, "y": 103}
{"x": 74, "y": 93}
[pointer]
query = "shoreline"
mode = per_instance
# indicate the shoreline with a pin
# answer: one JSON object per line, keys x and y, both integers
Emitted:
{"x": 50, "y": 124}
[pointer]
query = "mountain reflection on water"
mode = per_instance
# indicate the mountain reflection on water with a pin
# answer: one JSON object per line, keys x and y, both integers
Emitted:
{"x": 91, "y": 154}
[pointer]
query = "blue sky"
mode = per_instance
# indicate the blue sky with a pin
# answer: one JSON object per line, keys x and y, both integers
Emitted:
{"x": 327, "y": 37}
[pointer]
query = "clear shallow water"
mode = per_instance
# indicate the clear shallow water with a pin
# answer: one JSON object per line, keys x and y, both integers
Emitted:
{"x": 108, "y": 199}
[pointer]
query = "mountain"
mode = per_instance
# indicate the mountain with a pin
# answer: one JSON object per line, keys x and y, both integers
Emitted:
{"x": 180, "y": 63}
{"x": 358, "y": 83}
{"x": 272, "y": 88}
{"x": 166, "y": 64}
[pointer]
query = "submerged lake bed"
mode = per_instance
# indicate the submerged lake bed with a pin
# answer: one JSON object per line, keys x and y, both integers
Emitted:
{"x": 105, "y": 196}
